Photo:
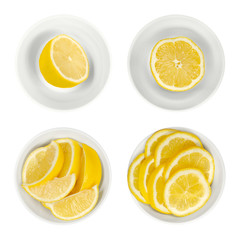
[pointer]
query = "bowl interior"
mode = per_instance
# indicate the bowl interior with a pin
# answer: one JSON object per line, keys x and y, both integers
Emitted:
{"x": 170, "y": 27}
{"x": 28, "y": 62}
{"x": 216, "y": 186}
{"x": 42, "y": 140}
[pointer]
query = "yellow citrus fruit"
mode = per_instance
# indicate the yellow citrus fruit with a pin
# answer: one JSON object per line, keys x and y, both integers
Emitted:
{"x": 156, "y": 185}
{"x": 186, "y": 191}
{"x": 91, "y": 170}
{"x": 145, "y": 171}
{"x": 177, "y": 64}
{"x": 133, "y": 177}
{"x": 63, "y": 62}
{"x": 152, "y": 142}
{"x": 53, "y": 190}
{"x": 72, "y": 157}
{"x": 194, "y": 157}
{"x": 170, "y": 146}
{"x": 75, "y": 206}
{"x": 43, "y": 164}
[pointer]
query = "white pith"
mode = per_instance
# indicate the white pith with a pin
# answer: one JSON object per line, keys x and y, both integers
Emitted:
{"x": 202, "y": 201}
{"x": 188, "y": 152}
{"x": 81, "y": 49}
{"x": 154, "y": 60}
{"x": 165, "y": 142}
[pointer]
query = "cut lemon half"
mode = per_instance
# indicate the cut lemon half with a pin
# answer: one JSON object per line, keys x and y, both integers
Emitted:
{"x": 170, "y": 146}
{"x": 53, "y": 190}
{"x": 63, "y": 62}
{"x": 43, "y": 164}
{"x": 72, "y": 157}
{"x": 75, "y": 206}
{"x": 156, "y": 185}
{"x": 194, "y": 157}
{"x": 152, "y": 142}
{"x": 145, "y": 171}
{"x": 90, "y": 171}
{"x": 186, "y": 192}
{"x": 133, "y": 177}
{"x": 177, "y": 64}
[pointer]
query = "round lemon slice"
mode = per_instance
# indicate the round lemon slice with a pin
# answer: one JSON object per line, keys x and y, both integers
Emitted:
{"x": 75, "y": 206}
{"x": 53, "y": 190}
{"x": 186, "y": 192}
{"x": 170, "y": 146}
{"x": 155, "y": 139}
{"x": 156, "y": 185}
{"x": 133, "y": 177}
{"x": 63, "y": 62}
{"x": 194, "y": 157}
{"x": 43, "y": 164}
{"x": 145, "y": 171}
{"x": 72, "y": 157}
{"x": 90, "y": 171}
{"x": 177, "y": 64}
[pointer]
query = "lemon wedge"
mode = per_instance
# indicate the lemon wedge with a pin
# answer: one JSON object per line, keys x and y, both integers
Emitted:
{"x": 43, "y": 164}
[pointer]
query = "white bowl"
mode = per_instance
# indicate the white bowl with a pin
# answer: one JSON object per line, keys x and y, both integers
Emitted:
{"x": 217, "y": 184}
{"x": 31, "y": 47}
{"x": 169, "y": 27}
{"x": 43, "y": 139}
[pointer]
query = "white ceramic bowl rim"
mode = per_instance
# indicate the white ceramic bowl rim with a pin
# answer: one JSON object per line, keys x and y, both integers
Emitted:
{"x": 166, "y": 103}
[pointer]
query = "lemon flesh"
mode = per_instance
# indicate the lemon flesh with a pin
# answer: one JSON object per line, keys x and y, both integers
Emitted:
{"x": 75, "y": 206}
{"x": 72, "y": 157}
{"x": 53, "y": 190}
{"x": 152, "y": 142}
{"x": 186, "y": 192}
{"x": 43, "y": 164}
{"x": 194, "y": 157}
{"x": 133, "y": 177}
{"x": 63, "y": 62}
{"x": 170, "y": 146}
{"x": 177, "y": 64}
{"x": 146, "y": 169}
{"x": 156, "y": 185}
{"x": 90, "y": 171}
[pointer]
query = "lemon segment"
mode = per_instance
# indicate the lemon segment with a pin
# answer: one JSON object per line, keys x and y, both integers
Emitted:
{"x": 170, "y": 146}
{"x": 194, "y": 157}
{"x": 75, "y": 206}
{"x": 53, "y": 190}
{"x": 145, "y": 171}
{"x": 186, "y": 192}
{"x": 43, "y": 164}
{"x": 177, "y": 64}
{"x": 91, "y": 170}
{"x": 152, "y": 142}
{"x": 72, "y": 156}
{"x": 133, "y": 178}
{"x": 63, "y": 62}
{"x": 156, "y": 185}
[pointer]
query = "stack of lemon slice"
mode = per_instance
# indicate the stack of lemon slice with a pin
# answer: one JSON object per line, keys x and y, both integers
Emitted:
{"x": 174, "y": 174}
{"x": 64, "y": 176}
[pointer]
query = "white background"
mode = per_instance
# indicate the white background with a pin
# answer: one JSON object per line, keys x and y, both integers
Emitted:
{"x": 119, "y": 118}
